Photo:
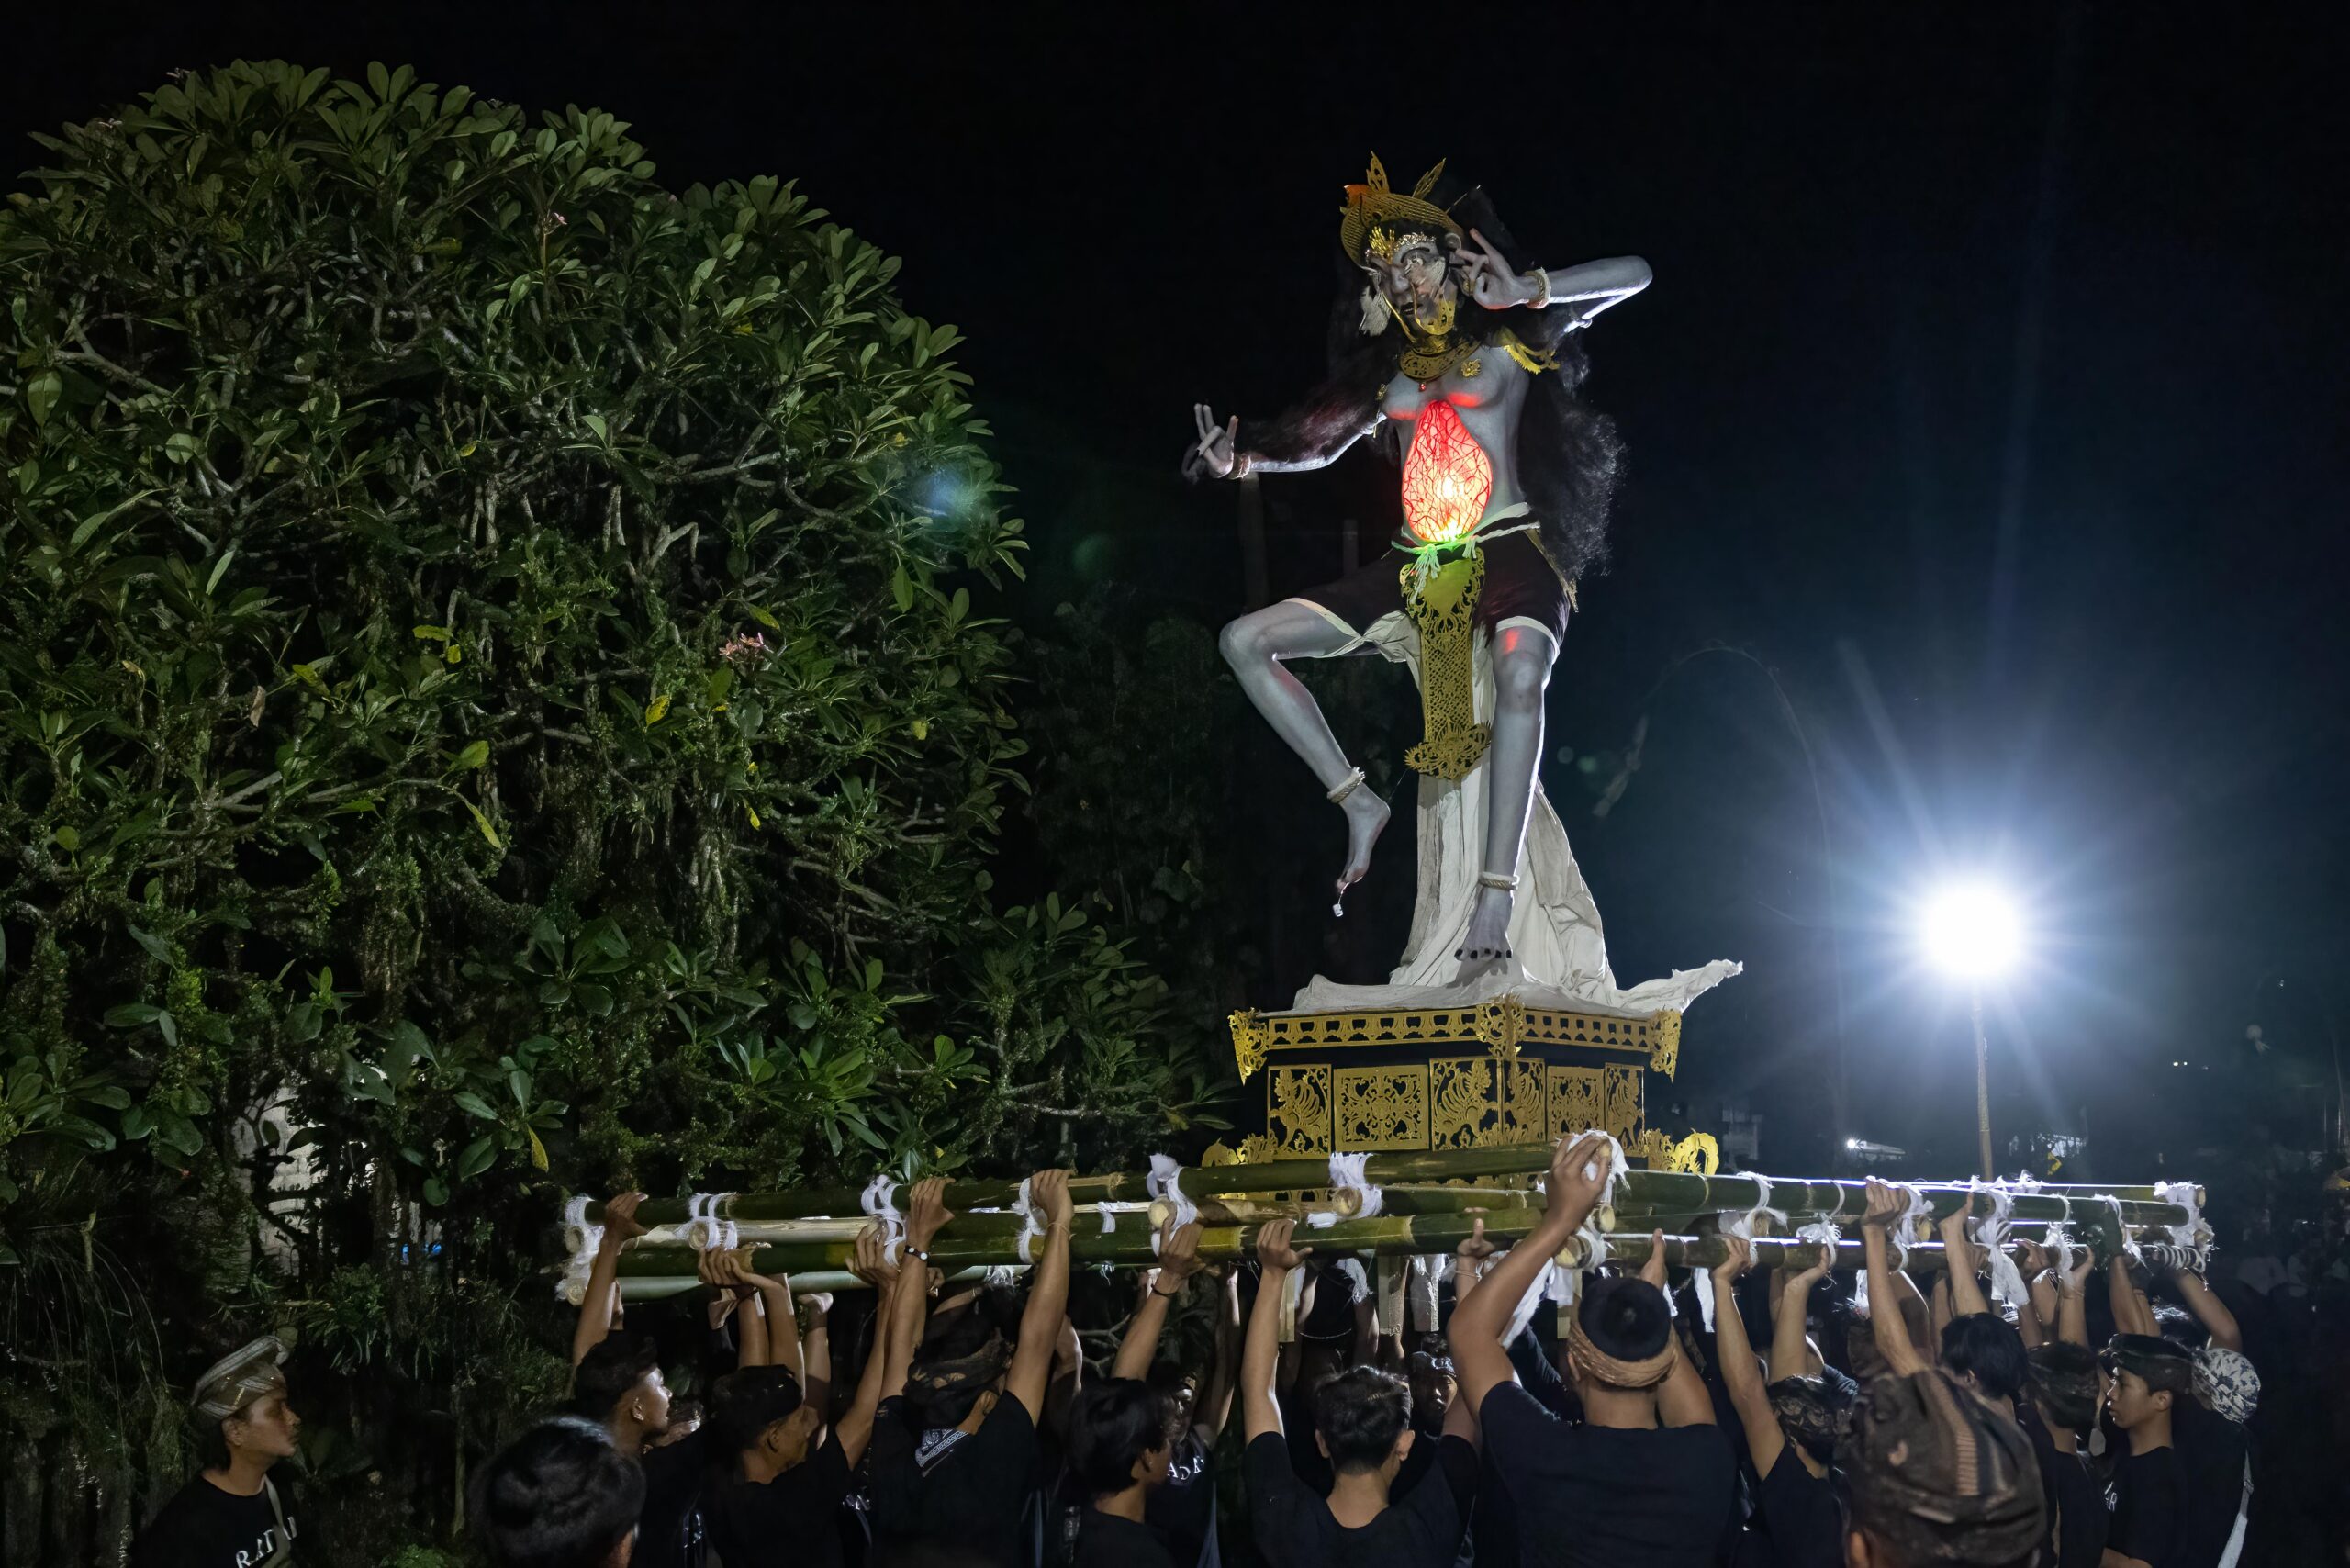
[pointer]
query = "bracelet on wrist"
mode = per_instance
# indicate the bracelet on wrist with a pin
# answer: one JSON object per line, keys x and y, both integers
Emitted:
{"x": 1167, "y": 1295}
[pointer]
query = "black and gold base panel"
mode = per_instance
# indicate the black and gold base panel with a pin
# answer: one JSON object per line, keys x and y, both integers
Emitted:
{"x": 1494, "y": 1072}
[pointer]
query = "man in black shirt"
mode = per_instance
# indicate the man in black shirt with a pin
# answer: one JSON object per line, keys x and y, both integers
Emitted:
{"x": 1182, "y": 1507}
{"x": 2063, "y": 1393}
{"x": 2148, "y": 1373}
{"x": 782, "y": 1501}
{"x": 1938, "y": 1477}
{"x": 560, "y": 1496}
{"x": 1118, "y": 1451}
{"x": 233, "y": 1515}
{"x": 1791, "y": 1426}
{"x": 1648, "y": 1476}
{"x": 1362, "y": 1423}
{"x": 954, "y": 1460}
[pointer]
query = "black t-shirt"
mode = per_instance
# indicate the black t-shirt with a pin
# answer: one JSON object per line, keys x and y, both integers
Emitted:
{"x": 1105, "y": 1540}
{"x": 1603, "y": 1497}
{"x": 669, "y": 1526}
{"x": 2212, "y": 1451}
{"x": 1494, "y": 1527}
{"x": 2077, "y": 1519}
{"x": 793, "y": 1518}
{"x": 1183, "y": 1508}
{"x": 2149, "y": 1507}
{"x": 1295, "y": 1528}
{"x": 1800, "y": 1511}
{"x": 204, "y": 1527}
{"x": 968, "y": 1489}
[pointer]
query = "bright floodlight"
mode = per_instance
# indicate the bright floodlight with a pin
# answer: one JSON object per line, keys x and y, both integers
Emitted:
{"x": 1971, "y": 931}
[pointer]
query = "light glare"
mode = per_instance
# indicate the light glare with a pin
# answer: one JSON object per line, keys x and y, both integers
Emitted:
{"x": 1971, "y": 931}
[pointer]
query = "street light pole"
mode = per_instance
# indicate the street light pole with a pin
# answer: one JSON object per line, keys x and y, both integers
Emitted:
{"x": 1984, "y": 1166}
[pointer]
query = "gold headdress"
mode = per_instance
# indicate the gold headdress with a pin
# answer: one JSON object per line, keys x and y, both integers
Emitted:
{"x": 1374, "y": 215}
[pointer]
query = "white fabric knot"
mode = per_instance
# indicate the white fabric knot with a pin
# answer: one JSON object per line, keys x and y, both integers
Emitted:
{"x": 879, "y": 1201}
{"x": 1165, "y": 1181}
{"x": 1743, "y": 1224}
{"x": 705, "y": 1232}
{"x": 2196, "y": 1234}
{"x": 1420, "y": 1293}
{"x": 2007, "y": 1280}
{"x": 1031, "y": 1226}
{"x": 1109, "y": 1217}
{"x": 1347, "y": 1176}
{"x": 580, "y": 1242}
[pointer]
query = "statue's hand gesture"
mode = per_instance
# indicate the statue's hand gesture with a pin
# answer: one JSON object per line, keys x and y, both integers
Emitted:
{"x": 1486, "y": 277}
{"x": 1217, "y": 451}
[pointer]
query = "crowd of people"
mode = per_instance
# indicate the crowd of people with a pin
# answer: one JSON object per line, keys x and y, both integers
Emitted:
{"x": 2091, "y": 1414}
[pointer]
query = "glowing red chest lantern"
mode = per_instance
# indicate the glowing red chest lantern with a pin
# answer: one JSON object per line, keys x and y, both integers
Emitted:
{"x": 1448, "y": 478}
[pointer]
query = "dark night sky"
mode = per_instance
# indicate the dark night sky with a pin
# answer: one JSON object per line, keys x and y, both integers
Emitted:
{"x": 2075, "y": 267}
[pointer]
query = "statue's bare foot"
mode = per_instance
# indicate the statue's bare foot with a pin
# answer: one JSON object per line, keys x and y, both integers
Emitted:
{"x": 1487, "y": 943}
{"x": 1367, "y": 817}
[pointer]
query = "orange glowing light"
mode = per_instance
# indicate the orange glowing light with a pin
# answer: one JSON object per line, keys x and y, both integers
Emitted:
{"x": 1448, "y": 478}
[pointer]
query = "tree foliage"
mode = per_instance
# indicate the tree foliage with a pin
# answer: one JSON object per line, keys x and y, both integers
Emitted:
{"x": 492, "y": 700}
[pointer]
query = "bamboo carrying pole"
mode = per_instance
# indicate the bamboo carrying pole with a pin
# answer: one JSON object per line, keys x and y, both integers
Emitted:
{"x": 1651, "y": 1192}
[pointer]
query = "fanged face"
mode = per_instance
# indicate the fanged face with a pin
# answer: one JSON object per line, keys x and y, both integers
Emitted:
{"x": 1415, "y": 278}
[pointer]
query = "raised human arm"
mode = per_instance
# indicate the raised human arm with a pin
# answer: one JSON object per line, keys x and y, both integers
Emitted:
{"x": 855, "y": 1429}
{"x": 598, "y": 1307}
{"x": 2131, "y": 1315}
{"x": 1178, "y": 1259}
{"x": 1885, "y": 1325}
{"x": 1040, "y": 1321}
{"x": 1212, "y": 1408}
{"x": 782, "y": 1327}
{"x": 1740, "y": 1377}
{"x": 2209, "y": 1310}
{"x": 1966, "y": 1297}
{"x": 1578, "y": 1176}
{"x": 927, "y": 1212}
{"x": 816, "y": 1350}
{"x": 2072, "y": 1303}
{"x": 723, "y": 1272}
{"x": 1682, "y": 1399}
{"x": 1790, "y": 1349}
{"x": 1261, "y": 1412}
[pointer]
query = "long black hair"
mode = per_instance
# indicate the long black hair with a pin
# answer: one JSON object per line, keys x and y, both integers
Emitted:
{"x": 1568, "y": 457}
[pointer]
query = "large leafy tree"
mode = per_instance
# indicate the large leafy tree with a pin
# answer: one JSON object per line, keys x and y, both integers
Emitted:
{"x": 491, "y": 699}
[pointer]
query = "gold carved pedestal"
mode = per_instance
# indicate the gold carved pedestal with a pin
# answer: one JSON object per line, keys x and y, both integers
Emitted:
{"x": 1433, "y": 1078}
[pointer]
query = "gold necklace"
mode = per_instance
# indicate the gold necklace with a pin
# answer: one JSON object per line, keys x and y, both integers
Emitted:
{"x": 1428, "y": 356}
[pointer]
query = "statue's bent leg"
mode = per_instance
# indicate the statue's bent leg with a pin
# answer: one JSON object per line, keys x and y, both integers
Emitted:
{"x": 1255, "y": 646}
{"x": 1522, "y": 655}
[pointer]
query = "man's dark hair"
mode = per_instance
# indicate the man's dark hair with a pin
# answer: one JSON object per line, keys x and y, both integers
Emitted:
{"x": 1359, "y": 1414}
{"x": 1815, "y": 1413}
{"x": 2180, "y": 1327}
{"x": 1114, "y": 1423}
{"x": 745, "y": 1403}
{"x": 1624, "y": 1318}
{"x": 957, "y": 1365}
{"x": 559, "y": 1496}
{"x": 1936, "y": 1475}
{"x": 2065, "y": 1382}
{"x": 612, "y": 1366}
{"x": 1989, "y": 1350}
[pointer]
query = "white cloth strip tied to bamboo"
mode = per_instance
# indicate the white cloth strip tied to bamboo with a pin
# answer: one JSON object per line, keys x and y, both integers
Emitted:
{"x": 1897, "y": 1237}
{"x": 2196, "y": 1234}
{"x": 1347, "y": 1175}
{"x": 1742, "y": 1227}
{"x": 704, "y": 1231}
{"x": 1032, "y": 1224}
{"x": 1427, "y": 1279}
{"x": 880, "y": 1202}
{"x": 1109, "y": 1217}
{"x": 1560, "y": 1287}
{"x": 1991, "y": 1235}
{"x": 2113, "y": 1206}
{"x": 1166, "y": 1182}
{"x": 581, "y": 1241}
